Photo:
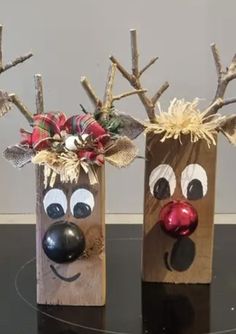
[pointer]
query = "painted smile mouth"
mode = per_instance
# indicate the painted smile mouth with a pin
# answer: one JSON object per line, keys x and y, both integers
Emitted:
{"x": 66, "y": 279}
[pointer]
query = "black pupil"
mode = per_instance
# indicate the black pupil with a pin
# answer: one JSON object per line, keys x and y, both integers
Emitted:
{"x": 81, "y": 210}
{"x": 55, "y": 210}
{"x": 162, "y": 189}
{"x": 194, "y": 190}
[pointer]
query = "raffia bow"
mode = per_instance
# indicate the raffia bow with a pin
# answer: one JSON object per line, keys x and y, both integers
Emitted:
{"x": 184, "y": 118}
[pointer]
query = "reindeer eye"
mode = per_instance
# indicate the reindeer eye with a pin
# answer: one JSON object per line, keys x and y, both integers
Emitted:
{"x": 55, "y": 203}
{"x": 81, "y": 203}
{"x": 162, "y": 188}
{"x": 194, "y": 182}
{"x": 162, "y": 181}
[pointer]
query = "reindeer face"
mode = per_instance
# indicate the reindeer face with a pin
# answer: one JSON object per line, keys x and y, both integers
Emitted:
{"x": 179, "y": 191}
{"x": 71, "y": 241}
{"x": 178, "y": 217}
{"x": 64, "y": 240}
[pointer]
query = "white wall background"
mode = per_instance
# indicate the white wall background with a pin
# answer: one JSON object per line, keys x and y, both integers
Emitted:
{"x": 73, "y": 38}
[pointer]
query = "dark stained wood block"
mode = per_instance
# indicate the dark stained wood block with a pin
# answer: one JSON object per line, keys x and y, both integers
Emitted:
{"x": 185, "y": 259}
{"x": 54, "y": 280}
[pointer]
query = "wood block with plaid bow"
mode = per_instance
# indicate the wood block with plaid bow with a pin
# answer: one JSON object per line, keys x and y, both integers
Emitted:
{"x": 70, "y": 153}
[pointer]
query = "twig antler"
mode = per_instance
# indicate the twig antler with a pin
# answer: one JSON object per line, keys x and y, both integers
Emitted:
{"x": 13, "y": 98}
{"x": 39, "y": 93}
{"x": 106, "y": 104}
{"x": 134, "y": 78}
{"x": 13, "y": 63}
{"x": 90, "y": 92}
{"x": 224, "y": 78}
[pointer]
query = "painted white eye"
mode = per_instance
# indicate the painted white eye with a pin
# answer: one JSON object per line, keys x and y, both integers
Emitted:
{"x": 194, "y": 182}
{"x": 162, "y": 181}
{"x": 81, "y": 203}
{"x": 55, "y": 203}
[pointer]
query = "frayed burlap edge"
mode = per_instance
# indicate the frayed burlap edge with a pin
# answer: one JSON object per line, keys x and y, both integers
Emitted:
{"x": 121, "y": 153}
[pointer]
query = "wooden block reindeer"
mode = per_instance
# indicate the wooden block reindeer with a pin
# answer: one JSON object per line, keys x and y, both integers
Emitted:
{"x": 180, "y": 178}
{"x": 4, "y": 98}
{"x": 70, "y": 204}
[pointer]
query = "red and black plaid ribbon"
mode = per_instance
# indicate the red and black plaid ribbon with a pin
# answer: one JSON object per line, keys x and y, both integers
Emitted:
{"x": 46, "y": 126}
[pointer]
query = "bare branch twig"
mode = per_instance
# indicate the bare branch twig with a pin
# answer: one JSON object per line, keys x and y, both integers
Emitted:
{"x": 224, "y": 78}
{"x": 216, "y": 56}
{"x": 15, "y": 62}
{"x": 107, "y": 100}
{"x": 152, "y": 61}
{"x": 134, "y": 51}
{"x": 134, "y": 82}
{"x": 134, "y": 78}
{"x": 218, "y": 103}
{"x": 214, "y": 107}
{"x": 229, "y": 101}
{"x": 160, "y": 91}
{"x": 121, "y": 96}
{"x": 122, "y": 70}
{"x": 90, "y": 92}
{"x": 23, "y": 109}
{"x": 39, "y": 94}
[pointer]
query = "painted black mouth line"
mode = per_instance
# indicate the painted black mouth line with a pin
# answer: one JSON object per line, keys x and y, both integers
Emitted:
{"x": 166, "y": 256}
{"x": 66, "y": 279}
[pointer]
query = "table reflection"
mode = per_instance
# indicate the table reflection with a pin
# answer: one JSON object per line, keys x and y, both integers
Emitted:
{"x": 69, "y": 319}
{"x": 175, "y": 308}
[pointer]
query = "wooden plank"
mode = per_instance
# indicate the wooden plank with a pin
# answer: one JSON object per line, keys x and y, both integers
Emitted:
{"x": 89, "y": 288}
{"x": 165, "y": 259}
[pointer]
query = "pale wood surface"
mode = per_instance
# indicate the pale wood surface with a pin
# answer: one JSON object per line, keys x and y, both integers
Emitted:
{"x": 156, "y": 243}
{"x": 89, "y": 288}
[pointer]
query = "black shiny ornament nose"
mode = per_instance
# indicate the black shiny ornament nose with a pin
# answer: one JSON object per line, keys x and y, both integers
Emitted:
{"x": 63, "y": 242}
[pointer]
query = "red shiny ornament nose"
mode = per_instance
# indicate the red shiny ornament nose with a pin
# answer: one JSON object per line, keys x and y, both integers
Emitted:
{"x": 178, "y": 218}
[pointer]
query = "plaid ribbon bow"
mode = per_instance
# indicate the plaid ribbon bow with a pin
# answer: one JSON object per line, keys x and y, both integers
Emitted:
{"x": 46, "y": 126}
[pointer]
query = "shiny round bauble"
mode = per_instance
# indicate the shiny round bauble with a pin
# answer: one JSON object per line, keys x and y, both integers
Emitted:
{"x": 178, "y": 219}
{"x": 63, "y": 242}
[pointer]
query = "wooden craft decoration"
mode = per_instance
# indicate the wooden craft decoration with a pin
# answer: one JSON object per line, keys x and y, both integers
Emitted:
{"x": 81, "y": 280}
{"x": 183, "y": 258}
{"x": 69, "y": 154}
{"x": 180, "y": 166}
{"x": 72, "y": 215}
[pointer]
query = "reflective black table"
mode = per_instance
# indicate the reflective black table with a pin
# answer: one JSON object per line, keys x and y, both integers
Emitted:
{"x": 132, "y": 307}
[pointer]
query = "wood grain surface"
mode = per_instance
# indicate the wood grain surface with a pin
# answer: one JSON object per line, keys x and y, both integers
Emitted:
{"x": 89, "y": 288}
{"x": 157, "y": 245}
